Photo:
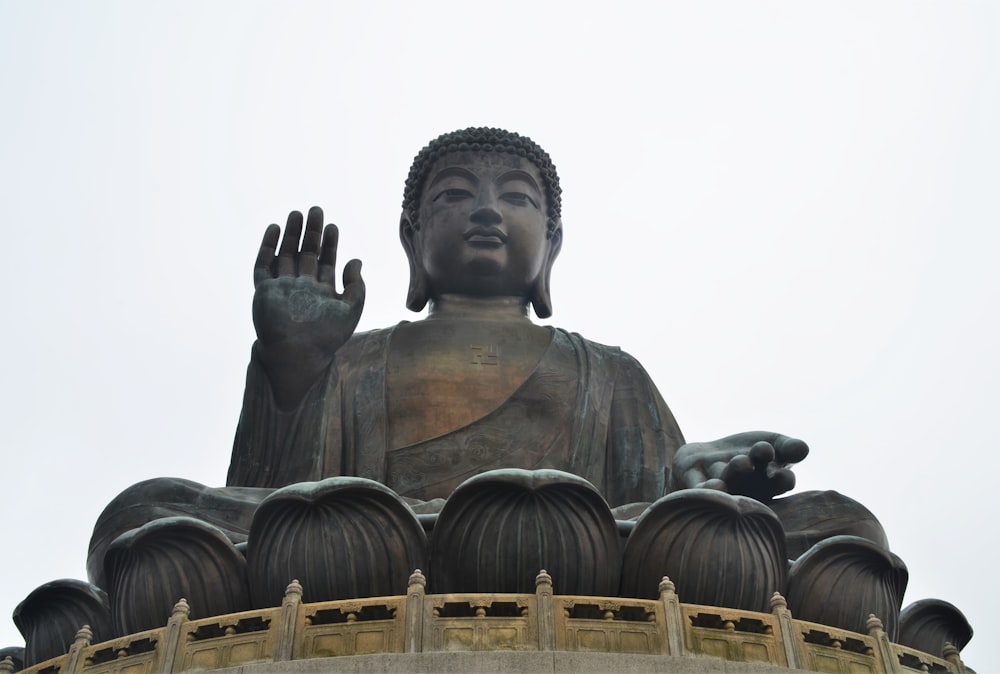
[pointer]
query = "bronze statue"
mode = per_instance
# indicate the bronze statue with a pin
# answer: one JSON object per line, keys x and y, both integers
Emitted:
{"x": 473, "y": 424}
{"x": 475, "y": 385}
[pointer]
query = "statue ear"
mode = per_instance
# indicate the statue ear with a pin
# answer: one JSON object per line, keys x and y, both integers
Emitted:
{"x": 416, "y": 295}
{"x": 541, "y": 299}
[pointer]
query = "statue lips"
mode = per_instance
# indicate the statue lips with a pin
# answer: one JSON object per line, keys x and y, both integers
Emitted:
{"x": 486, "y": 237}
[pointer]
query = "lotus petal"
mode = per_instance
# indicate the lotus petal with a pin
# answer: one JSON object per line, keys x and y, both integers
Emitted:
{"x": 928, "y": 624}
{"x": 719, "y": 549}
{"x": 152, "y": 567}
{"x": 498, "y": 529}
{"x": 343, "y": 537}
{"x": 841, "y": 580}
{"x": 50, "y": 616}
{"x": 809, "y": 517}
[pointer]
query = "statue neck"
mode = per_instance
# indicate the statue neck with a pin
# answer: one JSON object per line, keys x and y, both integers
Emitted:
{"x": 479, "y": 308}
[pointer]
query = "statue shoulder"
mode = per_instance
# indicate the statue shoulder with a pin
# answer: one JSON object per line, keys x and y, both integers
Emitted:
{"x": 613, "y": 355}
{"x": 365, "y": 345}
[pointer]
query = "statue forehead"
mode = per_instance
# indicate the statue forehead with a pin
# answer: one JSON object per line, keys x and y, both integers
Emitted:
{"x": 479, "y": 162}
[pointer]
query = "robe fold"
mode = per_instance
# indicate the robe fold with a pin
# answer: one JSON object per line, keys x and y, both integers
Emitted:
{"x": 586, "y": 408}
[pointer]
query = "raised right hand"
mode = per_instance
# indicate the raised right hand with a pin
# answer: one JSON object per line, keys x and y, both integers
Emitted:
{"x": 300, "y": 318}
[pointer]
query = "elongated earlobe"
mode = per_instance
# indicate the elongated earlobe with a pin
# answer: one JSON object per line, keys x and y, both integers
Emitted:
{"x": 541, "y": 298}
{"x": 416, "y": 294}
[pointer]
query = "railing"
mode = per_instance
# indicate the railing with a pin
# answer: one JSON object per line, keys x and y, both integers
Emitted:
{"x": 419, "y": 622}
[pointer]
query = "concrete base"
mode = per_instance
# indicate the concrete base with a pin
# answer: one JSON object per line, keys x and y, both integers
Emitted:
{"x": 507, "y": 661}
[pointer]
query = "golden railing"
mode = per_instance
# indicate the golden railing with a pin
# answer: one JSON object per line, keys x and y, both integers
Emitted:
{"x": 420, "y": 622}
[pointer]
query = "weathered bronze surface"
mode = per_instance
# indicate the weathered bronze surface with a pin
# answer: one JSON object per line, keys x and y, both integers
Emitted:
{"x": 747, "y": 561}
{"x": 929, "y": 624}
{"x": 173, "y": 556}
{"x": 359, "y": 432}
{"x": 57, "y": 609}
{"x": 474, "y": 386}
{"x": 499, "y": 524}
{"x": 342, "y": 537}
{"x": 842, "y": 580}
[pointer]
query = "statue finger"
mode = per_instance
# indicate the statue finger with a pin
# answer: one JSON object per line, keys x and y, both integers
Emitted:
{"x": 307, "y": 265}
{"x": 289, "y": 250}
{"x": 790, "y": 450}
{"x": 716, "y": 484}
{"x": 694, "y": 477}
{"x": 717, "y": 469}
{"x": 293, "y": 232}
{"x": 762, "y": 452}
{"x": 328, "y": 255}
{"x": 354, "y": 285}
{"x": 265, "y": 256}
{"x": 311, "y": 241}
{"x": 738, "y": 467}
{"x": 314, "y": 231}
{"x": 780, "y": 479}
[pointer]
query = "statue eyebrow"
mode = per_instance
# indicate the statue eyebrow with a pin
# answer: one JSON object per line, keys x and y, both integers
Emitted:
{"x": 518, "y": 175}
{"x": 453, "y": 171}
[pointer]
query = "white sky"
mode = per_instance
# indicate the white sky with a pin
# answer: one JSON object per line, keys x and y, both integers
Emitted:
{"x": 787, "y": 211}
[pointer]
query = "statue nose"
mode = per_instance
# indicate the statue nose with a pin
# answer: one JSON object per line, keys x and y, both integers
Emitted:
{"x": 486, "y": 211}
{"x": 486, "y": 215}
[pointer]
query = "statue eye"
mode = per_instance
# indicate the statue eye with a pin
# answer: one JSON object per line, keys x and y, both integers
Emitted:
{"x": 453, "y": 194}
{"x": 518, "y": 199}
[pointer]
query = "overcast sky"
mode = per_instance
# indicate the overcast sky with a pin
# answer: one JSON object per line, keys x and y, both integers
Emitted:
{"x": 789, "y": 212}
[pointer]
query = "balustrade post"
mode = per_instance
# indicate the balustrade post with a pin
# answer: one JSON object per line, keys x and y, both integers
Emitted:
{"x": 546, "y": 616}
{"x": 883, "y": 647}
{"x": 288, "y": 623}
{"x": 74, "y": 659}
{"x": 413, "y": 613}
{"x": 171, "y": 645}
{"x": 673, "y": 617}
{"x": 7, "y": 665}
{"x": 950, "y": 654}
{"x": 786, "y": 631}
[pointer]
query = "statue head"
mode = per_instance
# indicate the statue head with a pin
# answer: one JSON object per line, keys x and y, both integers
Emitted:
{"x": 481, "y": 217}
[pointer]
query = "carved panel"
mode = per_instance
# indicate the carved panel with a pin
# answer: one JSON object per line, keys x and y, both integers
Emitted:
{"x": 741, "y": 636}
{"x": 912, "y": 660}
{"x": 827, "y": 649}
{"x": 226, "y": 651}
{"x": 485, "y": 622}
{"x": 612, "y": 625}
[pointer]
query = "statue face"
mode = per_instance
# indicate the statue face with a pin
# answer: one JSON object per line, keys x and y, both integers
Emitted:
{"x": 482, "y": 225}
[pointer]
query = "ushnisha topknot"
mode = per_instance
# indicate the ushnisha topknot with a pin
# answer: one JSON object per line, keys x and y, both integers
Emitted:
{"x": 483, "y": 139}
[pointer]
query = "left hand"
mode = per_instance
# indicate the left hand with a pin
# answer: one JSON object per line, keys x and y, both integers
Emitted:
{"x": 753, "y": 464}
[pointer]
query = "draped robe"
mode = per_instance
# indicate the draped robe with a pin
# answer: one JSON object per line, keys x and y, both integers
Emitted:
{"x": 585, "y": 408}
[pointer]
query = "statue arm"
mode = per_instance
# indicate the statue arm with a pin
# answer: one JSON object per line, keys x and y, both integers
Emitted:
{"x": 275, "y": 446}
{"x": 648, "y": 456}
{"x": 302, "y": 322}
{"x": 644, "y": 437}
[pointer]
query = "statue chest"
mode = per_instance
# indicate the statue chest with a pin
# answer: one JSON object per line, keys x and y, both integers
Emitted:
{"x": 443, "y": 375}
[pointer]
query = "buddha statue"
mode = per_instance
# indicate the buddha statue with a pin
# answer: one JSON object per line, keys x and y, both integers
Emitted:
{"x": 475, "y": 385}
{"x": 405, "y": 417}
{"x": 472, "y": 387}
